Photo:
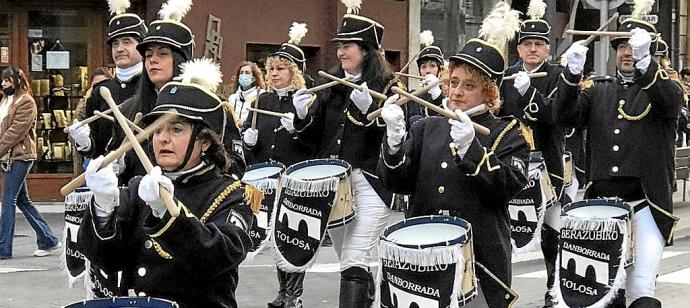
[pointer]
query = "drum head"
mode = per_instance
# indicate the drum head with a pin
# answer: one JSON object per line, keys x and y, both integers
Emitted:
{"x": 428, "y": 231}
{"x": 125, "y": 302}
{"x": 262, "y": 171}
{"x": 598, "y": 209}
{"x": 318, "y": 169}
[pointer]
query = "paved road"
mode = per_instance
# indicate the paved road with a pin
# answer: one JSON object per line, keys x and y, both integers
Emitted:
{"x": 27, "y": 281}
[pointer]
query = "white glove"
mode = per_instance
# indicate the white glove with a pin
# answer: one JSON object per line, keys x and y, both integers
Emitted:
{"x": 522, "y": 82}
{"x": 576, "y": 56}
{"x": 461, "y": 132}
{"x": 103, "y": 184}
{"x": 435, "y": 91}
{"x": 286, "y": 121}
{"x": 81, "y": 135}
{"x": 250, "y": 136}
{"x": 301, "y": 102}
{"x": 362, "y": 99}
{"x": 119, "y": 165}
{"x": 639, "y": 43}
{"x": 394, "y": 117}
{"x": 149, "y": 190}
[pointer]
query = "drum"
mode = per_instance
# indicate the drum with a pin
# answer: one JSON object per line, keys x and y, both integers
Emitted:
{"x": 313, "y": 195}
{"x": 595, "y": 247}
{"x": 125, "y": 302}
{"x": 263, "y": 176}
{"x": 528, "y": 207}
{"x": 76, "y": 203}
{"x": 427, "y": 261}
{"x": 568, "y": 169}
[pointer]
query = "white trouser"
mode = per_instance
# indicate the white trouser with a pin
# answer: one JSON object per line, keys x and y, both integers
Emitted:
{"x": 354, "y": 241}
{"x": 649, "y": 245}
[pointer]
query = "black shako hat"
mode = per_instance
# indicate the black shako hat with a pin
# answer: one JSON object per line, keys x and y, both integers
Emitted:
{"x": 640, "y": 9}
{"x": 429, "y": 52}
{"x": 535, "y": 27}
{"x": 356, "y": 28}
{"x": 170, "y": 30}
{"x": 124, "y": 24}
{"x": 290, "y": 50}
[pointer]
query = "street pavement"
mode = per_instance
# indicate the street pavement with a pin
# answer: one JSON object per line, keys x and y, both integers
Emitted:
{"x": 28, "y": 281}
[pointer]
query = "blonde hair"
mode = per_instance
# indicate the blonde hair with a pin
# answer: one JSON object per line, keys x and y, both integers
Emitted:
{"x": 297, "y": 81}
{"x": 489, "y": 87}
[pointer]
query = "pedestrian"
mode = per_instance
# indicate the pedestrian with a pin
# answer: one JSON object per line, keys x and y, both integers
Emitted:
{"x": 98, "y": 77}
{"x": 248, "y": 84}
{"x": 18, "y": 147}
{"x": 193, "y": 258}
{"x": 448, "y": 169}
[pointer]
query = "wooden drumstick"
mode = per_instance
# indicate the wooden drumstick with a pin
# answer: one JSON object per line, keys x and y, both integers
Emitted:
{"x": 267, "y": 112}
{"x": 531, "y": 75}
{"x": 373, "y": 93}
{"x": 402, "y": 100}
{"x": 326, "y": 85}
{"x": 164, "y": 193}
{"x": 109, "y": 118}
{"x": 603, "y": 27}
{"x": 90, "y": 119}
{"x": 256, "y": 105}
{"x": 446, "y": 113}
{"x": 603, "y": 33}
{"x": 126, "y": 146}
{"x": 104, "y": 116}
{"x": 409, "y": 75}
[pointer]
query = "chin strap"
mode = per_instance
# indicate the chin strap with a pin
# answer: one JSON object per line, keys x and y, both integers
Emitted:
{"x": 190, "y": 147}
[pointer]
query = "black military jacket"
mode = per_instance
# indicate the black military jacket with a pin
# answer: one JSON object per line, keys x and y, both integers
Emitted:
{"x": 415, "y": 112}
{"x": 476, "y": 188}
{"x": 631, "y": 132}
{"x": 192, "y": 259}
{"x": 102, "y": 129}
{"x": 535, "y": 109}
{"x": 340, "y": 130}
{"x": 274, "y": 141}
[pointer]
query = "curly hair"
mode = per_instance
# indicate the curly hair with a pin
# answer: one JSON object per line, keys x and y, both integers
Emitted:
{"x": 489, "y": 88}
{"x": 256, "y": 72}
{"x": 297, "y": 75}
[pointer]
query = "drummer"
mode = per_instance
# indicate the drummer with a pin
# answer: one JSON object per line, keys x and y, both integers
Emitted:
{"x": 448, "y": 169}
{"x": 272, "y": 138}
{"x": 430, "y": 65}
{"x": 193, "y": 258}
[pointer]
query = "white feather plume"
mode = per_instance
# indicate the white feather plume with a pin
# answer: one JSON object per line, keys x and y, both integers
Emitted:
{"x": 500, "y": 26}
{"x": 642, "y": 7}
{"x": 203, "y": 72}
{"x": 426, "y": 38}
{"x": 353, "y": 6}
{"x": 175, "y": 9}
{"x": 536, "y": 9}
{"x": 118, "y": 7}
{"x": 297, "y": 32}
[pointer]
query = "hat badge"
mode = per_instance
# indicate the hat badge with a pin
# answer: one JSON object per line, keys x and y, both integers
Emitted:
{"x": 629, "y": 25}
{"x": 478, "y": 49}
{"x": 158, "y": 28}
{"x": 173, "y": 90}
{"x": 532, "y": 26}
{"x": 117, "y": 22}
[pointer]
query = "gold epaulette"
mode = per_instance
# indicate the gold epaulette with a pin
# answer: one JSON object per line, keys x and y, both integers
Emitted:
{"x": 219, "y": 199}
{"x": 526, "y": 133}
{"x": 253, "y": 197}
{"x": 586, "y": 84}
{"x": 503, "y": 134}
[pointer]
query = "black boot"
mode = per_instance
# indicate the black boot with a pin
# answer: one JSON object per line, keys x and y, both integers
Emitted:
{"x": 646, "y": 302}
{"x": 354, "y": 288}
{"x": 549, "y": 247}
{"x": 294, "y": 287}
{"x": 279, "y": 301}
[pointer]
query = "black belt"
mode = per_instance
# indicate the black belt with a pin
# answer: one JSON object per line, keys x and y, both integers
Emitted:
{"x": 640, "y": 206}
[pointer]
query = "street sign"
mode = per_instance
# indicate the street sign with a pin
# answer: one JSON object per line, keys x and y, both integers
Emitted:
{"x": 652, "y": 19}
{"x": 597, "y": 4}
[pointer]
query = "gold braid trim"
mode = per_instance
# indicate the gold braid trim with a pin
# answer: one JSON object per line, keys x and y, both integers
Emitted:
{"x": 164, "y": 254}
{"x": 253, "y": 196}
{"x": 503, "y": 134}
{"x": 224, "y": 194}
{"x": 358, "y": 123}
{"x": 527, "y": 134}
{"x": 633, "y": 118}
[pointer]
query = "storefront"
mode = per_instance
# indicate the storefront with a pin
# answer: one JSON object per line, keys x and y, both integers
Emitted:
{"x": 57, "y": 43}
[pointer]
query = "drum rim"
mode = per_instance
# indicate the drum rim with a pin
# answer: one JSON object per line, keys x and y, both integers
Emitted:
{"x": 463, "y": 239}
{"x": 320, "y": 162}
{"x": 148, "y": 299}
{"x": 614, "y": 202}
{"x": 266, "y": 164}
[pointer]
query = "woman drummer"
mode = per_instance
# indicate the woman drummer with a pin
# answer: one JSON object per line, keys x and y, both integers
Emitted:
{"x": 447, "y": 169}
{"x": 337, "y": 123}
{"x": 272, "y": 138}
{"x": 192, "y": 258}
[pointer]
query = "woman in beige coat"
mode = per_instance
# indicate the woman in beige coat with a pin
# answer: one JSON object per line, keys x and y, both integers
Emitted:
{"x": 18, "y": 149}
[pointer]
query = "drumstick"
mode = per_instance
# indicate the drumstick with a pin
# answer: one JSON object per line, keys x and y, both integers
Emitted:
{"x": 126, "y": 146}
{"x": 603, "y": 33}
{"x": 409, "y": 75}
{"x": 402, "y": 100}
{"x": 163, "y": 193}
{"x": 109, "y": 118}
{"x": 256, "y": 105}
{"x": 603, "y": 27}
{"x": 325, "y": 85}
{"x": 404, "y": 68}
{"x": 266, "y": 112}
{"x": 531, "y": 75}
{"x": 373, "y": 93}
{"x": 90, "y": 119}
{"x": 448, "y": 114}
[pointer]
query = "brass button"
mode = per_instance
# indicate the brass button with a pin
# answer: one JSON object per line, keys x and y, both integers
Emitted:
{"x": 614, "y": 169}
{"x": 616, "y": 131}
{"x": 620, "y": 116}
{"x": 441, "y": 189}
{"x": 141, "y": 272}
{"x": 444, "y": 165}
{"x": 148, "y": 244}
{"x": 338, "y": 141}
{"x": 122, "y": 85}
{"x": 621, "y": 102}
{"x": 615, "y": 148}
{"x": 273, "y": 146}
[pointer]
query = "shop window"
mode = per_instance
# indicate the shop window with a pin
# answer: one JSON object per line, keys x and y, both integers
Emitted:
{"x": 5, "y": 40}
{"x": 58, "y": 70}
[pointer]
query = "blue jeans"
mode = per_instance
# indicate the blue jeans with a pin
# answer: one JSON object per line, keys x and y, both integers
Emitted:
{"x": 14, "y": 193}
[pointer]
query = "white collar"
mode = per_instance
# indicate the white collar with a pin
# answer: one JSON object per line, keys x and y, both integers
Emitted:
{"x": 174, "y": 175}
{"x": 476, "y": 110}
{"x": 534, "y": 69}
{"x": 355, "y": 77}
{"x": 283, "y": 92}
{"x": 125, "y": 74}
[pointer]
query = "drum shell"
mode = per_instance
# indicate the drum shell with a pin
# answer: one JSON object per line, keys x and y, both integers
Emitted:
{"x": 125, "y": 302}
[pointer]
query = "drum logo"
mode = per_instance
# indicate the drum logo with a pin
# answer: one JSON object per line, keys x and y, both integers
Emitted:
{"x": 526, "y": 211}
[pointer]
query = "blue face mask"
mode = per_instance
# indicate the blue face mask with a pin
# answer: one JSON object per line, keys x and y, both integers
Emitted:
{"x": 245, "y": 80}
